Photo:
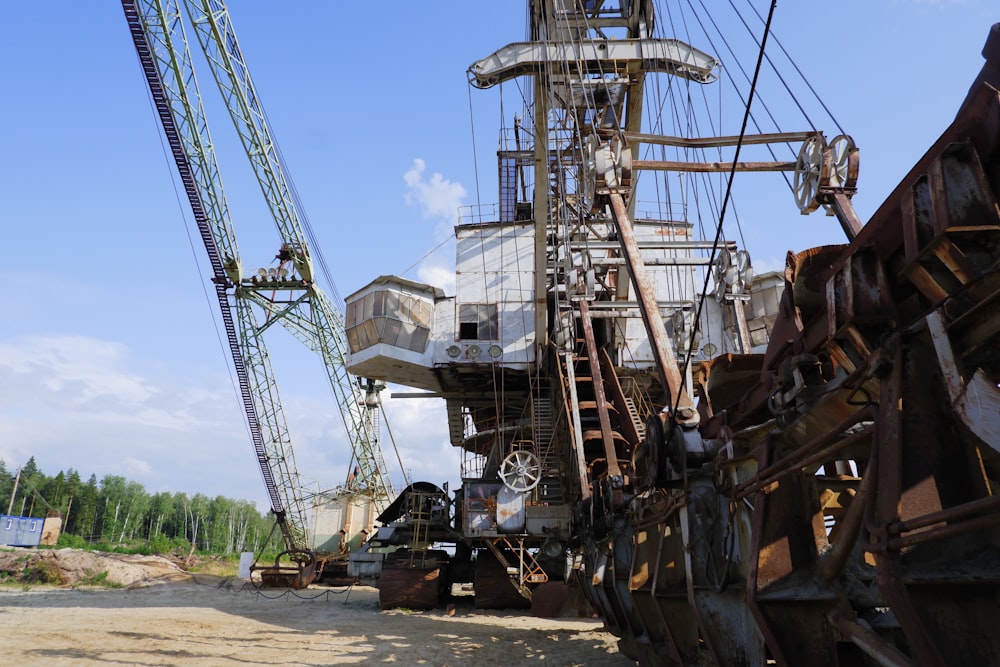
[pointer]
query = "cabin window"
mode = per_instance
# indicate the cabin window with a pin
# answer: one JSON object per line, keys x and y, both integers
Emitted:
{"x": 349, "y": 317}
{"x": 478, "y": 321}
{"x": 391, "y": 317}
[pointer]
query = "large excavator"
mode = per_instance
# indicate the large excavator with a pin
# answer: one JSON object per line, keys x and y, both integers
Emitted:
{"x": 250, "y": 302}
{"x": 796, "y": 468}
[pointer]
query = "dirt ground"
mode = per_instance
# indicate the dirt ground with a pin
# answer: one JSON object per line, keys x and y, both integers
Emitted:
{"x": 163, "y": 615}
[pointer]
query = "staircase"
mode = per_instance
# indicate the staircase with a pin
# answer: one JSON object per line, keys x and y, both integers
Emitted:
{"x": 609, "y": 422}
{"x": 633, "y": 413}
{"x": 549, "y": 455}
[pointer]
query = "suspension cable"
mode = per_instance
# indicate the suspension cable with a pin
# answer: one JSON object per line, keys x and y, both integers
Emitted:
{"x": 776, "y": 71}
{"x": 729, "y": 186}
{"x": 799, "y": 71}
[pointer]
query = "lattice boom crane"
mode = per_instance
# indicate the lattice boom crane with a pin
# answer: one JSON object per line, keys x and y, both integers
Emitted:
{"x": 288, "y": 295}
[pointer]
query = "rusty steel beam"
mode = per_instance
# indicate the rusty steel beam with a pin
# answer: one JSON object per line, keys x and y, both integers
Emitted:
{"x": 710, "y": 167}
{"x": 989, "y": 503}
{"x": 568, "y": 382}
{"x": 717, "y": 142}
{"x": 888, "y": 567}
{"x": 976, "y": 398}
{"x": 614, "y": 471}
{"x": 930, "y": 248}
{"x": 672, "y": 646}
{"x": 849, "y": 528}
{"x": 660, "y": 343}
{"x": 865, "y": 638}
{"x": 784, "y": 466}
{"x": 941, "y": 532}
{"x": 753, "y": 570}
{"x": 844, "y": 211}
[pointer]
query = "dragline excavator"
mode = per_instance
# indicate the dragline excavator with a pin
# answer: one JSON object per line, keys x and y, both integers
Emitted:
{"x": 287, "y": 294}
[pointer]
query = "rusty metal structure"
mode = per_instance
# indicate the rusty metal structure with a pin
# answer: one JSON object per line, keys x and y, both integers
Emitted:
{"x": 727, "y": 479}
{"x": 815, "y": 484}
{"x": 848, "y": 513}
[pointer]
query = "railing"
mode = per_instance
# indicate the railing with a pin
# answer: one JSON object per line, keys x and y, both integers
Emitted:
{"x": 658, "y": 210}
{"x": 478, "y": 214}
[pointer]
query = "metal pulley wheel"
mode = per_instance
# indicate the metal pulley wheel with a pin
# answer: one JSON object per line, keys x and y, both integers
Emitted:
{"x": 843, "y": 162}
{"x": 520, "y": 471}
{"x": 587, "y": 185}
{"x": 744, "y": 272}
{"x": 808, "y": 172}
{"x": 613, "y": 160}
{"x": 724, "y": 274}
{"x": 621, "y": 154}
{"x": 648, "y": 458}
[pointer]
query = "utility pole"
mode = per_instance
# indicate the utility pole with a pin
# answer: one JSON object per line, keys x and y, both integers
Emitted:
{"x": 13, "y": 493}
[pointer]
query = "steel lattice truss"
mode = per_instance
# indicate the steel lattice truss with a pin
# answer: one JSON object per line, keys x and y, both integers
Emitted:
{"x": 290, "y": 295}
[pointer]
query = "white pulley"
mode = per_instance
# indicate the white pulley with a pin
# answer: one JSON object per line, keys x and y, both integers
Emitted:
{"x": 810, "y": 169}
{"x": 843, "y": 162}
{"x": 613, "y": 160}
{"x": 679, "y": 324}
{"x": 744, "y": 272}
{"x": 587, "y": 185}
{"x": 520, "y": 471}
{"x": 622, "y": 155}
{"x": 725, "y": 274}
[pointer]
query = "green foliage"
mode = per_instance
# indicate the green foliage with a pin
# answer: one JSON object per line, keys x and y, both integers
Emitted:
{"x": 6, "y": 485}
{"x": 67, "y": 541}
{"x": 220, "y": 566}
{"x": 158, "y": 545}
{"x": 99, "y": 579}
{"x": 115, "y": 514}
{"x": 43, "y": 572}
{"x": 161, "y": 544}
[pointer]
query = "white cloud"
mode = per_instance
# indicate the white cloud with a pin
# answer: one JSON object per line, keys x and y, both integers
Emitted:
{"x": 135, "y": 469}
{"x": 89, "y": 404}
{"x": 420, "y": 426}
{"x": 433, "y": 273}
{"x": 437, "y": 197}
{"x": 79, "y": 370}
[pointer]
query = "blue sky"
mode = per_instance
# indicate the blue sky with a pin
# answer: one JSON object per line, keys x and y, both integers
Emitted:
{"x": 109, "y": 358}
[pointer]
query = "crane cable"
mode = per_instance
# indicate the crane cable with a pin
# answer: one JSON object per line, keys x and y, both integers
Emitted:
{"x": 392, "y": 439}
{"x": 797, "y": 70}
{"x": 725, "y": 201}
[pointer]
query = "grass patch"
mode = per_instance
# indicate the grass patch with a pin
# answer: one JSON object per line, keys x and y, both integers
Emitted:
{"x": 42, "y": 573}
{"x": 220, "y": 566}
{"x": 98, "y": 579}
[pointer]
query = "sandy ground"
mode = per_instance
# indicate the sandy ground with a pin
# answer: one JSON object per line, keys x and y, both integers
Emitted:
{"x": 163, "y": 616}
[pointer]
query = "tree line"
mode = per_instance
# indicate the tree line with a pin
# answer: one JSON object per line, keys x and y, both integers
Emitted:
{"x": 117, "y": 511}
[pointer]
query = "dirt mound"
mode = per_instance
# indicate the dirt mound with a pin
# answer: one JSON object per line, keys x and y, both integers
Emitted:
{"x": 75, "y": 567}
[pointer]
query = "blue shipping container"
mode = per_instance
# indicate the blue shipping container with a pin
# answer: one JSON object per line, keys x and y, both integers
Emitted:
{"x": 20, "y": 531}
